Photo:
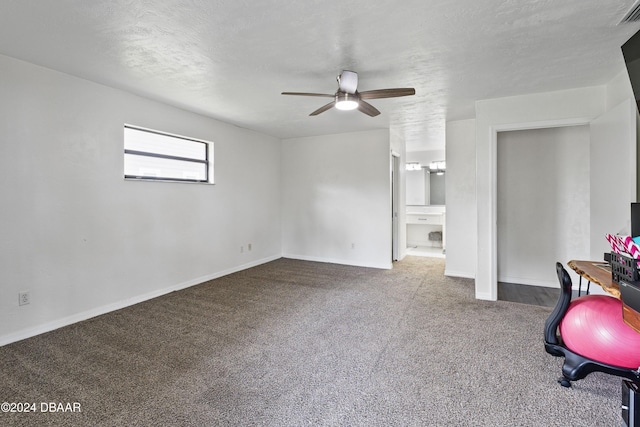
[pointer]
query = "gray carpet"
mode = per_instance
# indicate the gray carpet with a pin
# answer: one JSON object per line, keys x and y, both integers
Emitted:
{"x": 293, "y": 343}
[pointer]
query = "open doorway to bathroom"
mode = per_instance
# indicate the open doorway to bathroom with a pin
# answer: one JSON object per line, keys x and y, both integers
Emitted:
{"x": 425, "y": 203}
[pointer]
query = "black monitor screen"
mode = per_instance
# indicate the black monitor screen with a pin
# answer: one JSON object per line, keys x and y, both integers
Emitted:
{"x": 635, "y": 219}
{"x": 631, "y": 53}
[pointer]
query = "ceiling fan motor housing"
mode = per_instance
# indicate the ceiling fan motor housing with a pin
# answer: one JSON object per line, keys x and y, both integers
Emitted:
{"x": 348, "y": 81}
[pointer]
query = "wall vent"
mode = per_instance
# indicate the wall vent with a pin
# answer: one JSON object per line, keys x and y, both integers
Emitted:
{"x": 633, "y": 15}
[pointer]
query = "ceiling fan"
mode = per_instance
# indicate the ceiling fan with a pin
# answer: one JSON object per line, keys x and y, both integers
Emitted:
{"x": 348, "y": 98}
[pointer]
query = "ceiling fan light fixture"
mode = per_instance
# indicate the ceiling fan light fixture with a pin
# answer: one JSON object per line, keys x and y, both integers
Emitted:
{"x": 346, "y": 101}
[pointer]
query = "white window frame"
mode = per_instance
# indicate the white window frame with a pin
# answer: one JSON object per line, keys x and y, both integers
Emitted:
{"x": 152, "y": 174}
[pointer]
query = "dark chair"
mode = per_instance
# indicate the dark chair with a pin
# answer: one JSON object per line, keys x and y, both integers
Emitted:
{"x": 575, "y": 366}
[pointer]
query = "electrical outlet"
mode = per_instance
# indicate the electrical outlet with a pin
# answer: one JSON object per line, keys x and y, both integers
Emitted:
{"x": 249, "y": 246}
{"x": 353, "y": 246}
{"x": 241, "y": 249}
{"x": 24, "y": 298}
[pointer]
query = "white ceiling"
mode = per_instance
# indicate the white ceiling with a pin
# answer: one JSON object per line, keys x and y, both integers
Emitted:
{"x": 231, "y": 59}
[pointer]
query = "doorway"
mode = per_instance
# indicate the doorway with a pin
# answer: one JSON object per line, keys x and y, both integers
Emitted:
{"x": 543, "y": 203}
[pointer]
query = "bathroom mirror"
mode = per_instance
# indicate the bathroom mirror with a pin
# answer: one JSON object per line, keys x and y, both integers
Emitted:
{"x": 424, "y": 188}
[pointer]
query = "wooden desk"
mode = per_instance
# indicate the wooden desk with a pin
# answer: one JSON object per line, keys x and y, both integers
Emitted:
{"x": 599, "y": 273}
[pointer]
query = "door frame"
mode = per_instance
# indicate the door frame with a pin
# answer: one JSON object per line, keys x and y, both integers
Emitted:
{"x": 395, "y": 206}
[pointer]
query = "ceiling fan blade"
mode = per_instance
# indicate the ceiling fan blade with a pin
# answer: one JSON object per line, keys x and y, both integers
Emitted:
{"x": 348, "y": 81}
{"x": 326, "y": 95}
{"x": 323, "y": 108}
{"x": 387, "y": 93}
{"x": 367, "y": 108}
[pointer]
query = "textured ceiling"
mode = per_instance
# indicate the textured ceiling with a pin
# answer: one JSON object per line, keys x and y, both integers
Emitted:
{"x": 230, "y": 59}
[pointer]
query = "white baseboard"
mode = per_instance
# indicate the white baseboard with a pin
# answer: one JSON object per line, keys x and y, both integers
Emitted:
{"x": 88, "y": 314}
{"x": 387, "y": 266}
{"x": 462, "y": 274}
{"x": 485, "y": 296}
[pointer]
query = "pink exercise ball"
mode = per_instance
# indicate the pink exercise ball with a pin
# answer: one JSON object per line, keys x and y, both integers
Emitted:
{"x": 593, "y": 328}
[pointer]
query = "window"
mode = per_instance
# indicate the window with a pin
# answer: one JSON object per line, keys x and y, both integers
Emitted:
{"x": 159, "y": 156}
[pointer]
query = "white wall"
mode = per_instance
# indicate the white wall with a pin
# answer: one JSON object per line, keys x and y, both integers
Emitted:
{"x": 613, "y": 174}
{"x": 460, "y": 188}
{"x": 336, "y": 194}
{"x": 83, "y": 241}
{"x": 619, "y": 90}
{"x": 543, "y": 202}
